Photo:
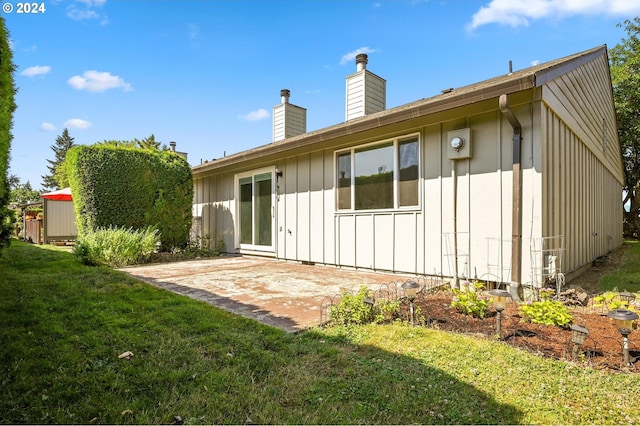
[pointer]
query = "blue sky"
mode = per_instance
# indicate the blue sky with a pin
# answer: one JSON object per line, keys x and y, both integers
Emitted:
{"x": 206, "y": 74}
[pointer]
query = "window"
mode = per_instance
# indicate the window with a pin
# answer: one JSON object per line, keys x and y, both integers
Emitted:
{"x": 344, "y": 181}
{"x": 385, "y": 176}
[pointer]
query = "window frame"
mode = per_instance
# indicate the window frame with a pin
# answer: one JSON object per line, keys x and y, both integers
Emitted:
{"x": 252, "y": 174}
{"x": 352, "y": 151}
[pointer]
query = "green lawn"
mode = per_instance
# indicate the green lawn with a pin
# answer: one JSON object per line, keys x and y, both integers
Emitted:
{"x": 627, "y": 278}
{"x": 63, "y": 325}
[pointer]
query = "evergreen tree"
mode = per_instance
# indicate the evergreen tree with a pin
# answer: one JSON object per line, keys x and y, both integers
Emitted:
{"x": 149, "y": 143}
{"x": 7, "y": 107}
{"x": 56, "y": 178}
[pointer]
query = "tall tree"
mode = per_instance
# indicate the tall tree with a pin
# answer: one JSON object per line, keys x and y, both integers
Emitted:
{"x": 625, "y": 77}
{"x": 7, "y": 107}
{"x": 56, "y": 179}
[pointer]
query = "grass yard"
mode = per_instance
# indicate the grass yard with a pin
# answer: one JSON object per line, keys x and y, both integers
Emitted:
{"x": 627, "y": 278}
{"x": 63, "y": 326}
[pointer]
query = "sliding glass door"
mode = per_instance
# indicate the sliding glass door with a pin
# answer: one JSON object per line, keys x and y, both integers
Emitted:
{"x": 255, "y": 209}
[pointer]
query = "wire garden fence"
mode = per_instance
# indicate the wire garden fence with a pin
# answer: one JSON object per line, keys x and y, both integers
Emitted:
{"x": 601, "y": 348}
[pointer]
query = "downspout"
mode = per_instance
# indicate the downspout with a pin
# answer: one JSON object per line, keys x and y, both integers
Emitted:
{"x": 456, "y": 277}
{"x": 516, "y": 219}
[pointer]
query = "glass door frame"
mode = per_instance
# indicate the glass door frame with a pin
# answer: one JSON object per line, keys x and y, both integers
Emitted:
{"x": 252, "y": 174}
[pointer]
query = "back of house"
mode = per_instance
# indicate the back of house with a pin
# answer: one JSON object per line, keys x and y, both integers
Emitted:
{"x": 516, "y": 179}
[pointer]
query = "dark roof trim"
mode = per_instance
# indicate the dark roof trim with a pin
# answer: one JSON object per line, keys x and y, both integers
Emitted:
{"x": 517, "y": 81}
{"x": 556, "y": 71}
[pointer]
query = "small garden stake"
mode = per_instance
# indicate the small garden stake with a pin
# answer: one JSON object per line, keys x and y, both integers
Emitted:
{"x": 411, "y": 291}
{"x": 499, "y": 298}
{"x": 624, "y": 321}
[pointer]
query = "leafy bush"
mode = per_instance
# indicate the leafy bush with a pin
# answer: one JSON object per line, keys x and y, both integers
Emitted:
{"x": 132, "y": 187}
{"x": 611, "y": 299}
{"x": 547, "y": 312}
{"x": 116, "y": 246}
{"x": 387, "y": 310}
{"x": 201, "y": 247}
{"x": 352, "y": 309}
{"x": 469, "y": 302}
{"x": 547, "y": 293}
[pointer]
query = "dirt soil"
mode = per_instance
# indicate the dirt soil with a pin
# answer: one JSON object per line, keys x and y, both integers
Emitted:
{"x": 602, "y": 348}
{"x": 602, "y": 266}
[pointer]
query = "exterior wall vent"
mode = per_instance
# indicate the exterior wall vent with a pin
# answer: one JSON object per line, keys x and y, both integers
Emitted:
{"x": 288, "y": 120}
{"x": 366, "y": 92}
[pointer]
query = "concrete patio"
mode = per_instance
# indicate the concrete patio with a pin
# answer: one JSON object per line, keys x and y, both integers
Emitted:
{"x": 283, "y": 294}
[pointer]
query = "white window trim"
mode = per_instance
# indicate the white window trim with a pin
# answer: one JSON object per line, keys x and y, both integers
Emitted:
{"x": 251, "y": 173}
{"x": 396, "y": 175}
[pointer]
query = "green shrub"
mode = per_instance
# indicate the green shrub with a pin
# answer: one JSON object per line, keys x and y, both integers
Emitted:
{"x": 353, "y": 310}
{"x": 611, "y": 299}
{"x": 547, "y": 312}
{"x": 201, "y": 247}
{"x": 116, "y": 246}
{"x": 469, "y": 302}
{"x": 387, "y": 310}
{"x": 133, "y": 188}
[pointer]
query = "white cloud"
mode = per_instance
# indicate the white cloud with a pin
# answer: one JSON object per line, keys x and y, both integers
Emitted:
{"x": 82, "y": 15}
{"x": 259, "y": 114}
{"x": 352, "y": 55}
{"x": 535, "y": 62}
{"x": 94, "y": 81}
{"x": 92, "y": 3}
{"x": 517, "y": 13}
{"x": 87, "y": 10}
{"x": 47, "y": 127}
{"x": 77, "y": 123}
{"x": 36, "y": 70}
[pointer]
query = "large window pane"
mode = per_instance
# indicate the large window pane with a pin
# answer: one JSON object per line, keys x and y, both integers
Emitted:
{"x": 408, "y": 181}
{"x": 344, "y": 181}
{"x": 246, "y": 210}
{"x": 373, "y": 187}
{"x": 263, "y": 209}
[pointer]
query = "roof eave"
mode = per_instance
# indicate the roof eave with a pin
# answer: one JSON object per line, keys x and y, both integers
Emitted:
{"x": 399, "y": 114}
{"x": 490, "y": 89}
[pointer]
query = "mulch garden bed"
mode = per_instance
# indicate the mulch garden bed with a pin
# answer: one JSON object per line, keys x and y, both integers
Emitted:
{"x": 602, "y": 348}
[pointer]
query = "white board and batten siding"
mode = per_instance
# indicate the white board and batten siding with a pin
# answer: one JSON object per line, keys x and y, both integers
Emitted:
{"x": 214, "y": 209}
{"x": 581, "y": 159}
{"x": 414, "y": 241}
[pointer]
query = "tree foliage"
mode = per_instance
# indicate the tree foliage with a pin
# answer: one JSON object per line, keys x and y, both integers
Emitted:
{"x": 57, "y": 177}
{"x": 149, "y": 143}
{"x": 625, "y": 77}
{"x": 7, "y": 108}
{"x": 23, "y": 193}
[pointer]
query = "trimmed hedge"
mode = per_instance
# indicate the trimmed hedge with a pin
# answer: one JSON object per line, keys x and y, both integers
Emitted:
{"x": 117, "y": 186}
{"x": 7, "y": 108}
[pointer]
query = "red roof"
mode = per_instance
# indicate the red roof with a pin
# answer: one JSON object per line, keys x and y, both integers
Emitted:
{"x": 60, "y": 195}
